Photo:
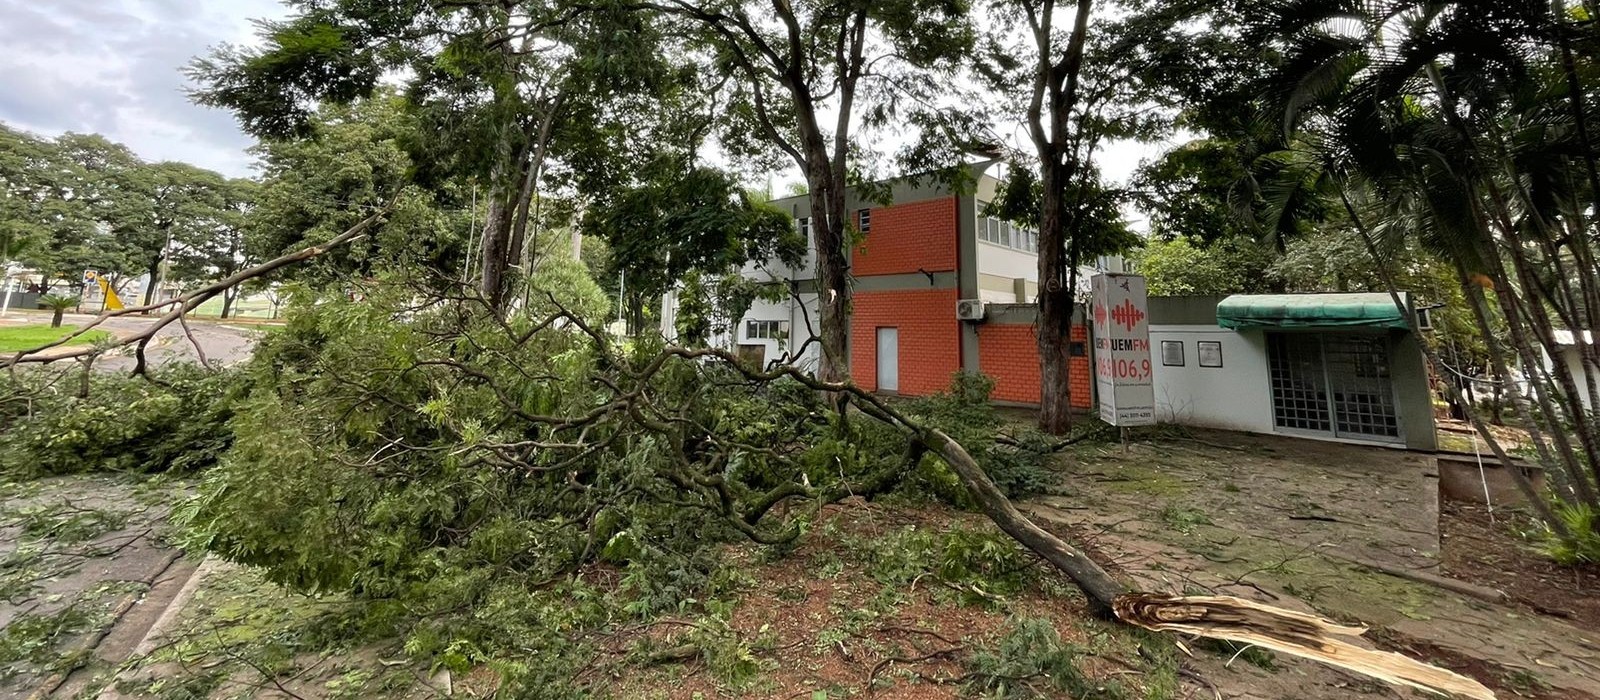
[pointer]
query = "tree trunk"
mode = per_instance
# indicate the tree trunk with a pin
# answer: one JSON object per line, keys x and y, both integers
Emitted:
{"x": 150, "y": 286}
{"x": 496, "y": 231}
{"x": 1100, "y": 588}
{"x": 1535, "y": 499}
{"x": 228, "y": 297}
{"x": 1055, "y": 316}
{"x": 55, "y": 320}
{"x": 833, "y": 271}
{"x": 1055, "y": 96}
{"x": 1558, "y": 463}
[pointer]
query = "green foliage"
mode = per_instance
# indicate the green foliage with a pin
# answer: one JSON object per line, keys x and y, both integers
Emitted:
{"x": 981, "y": 563}
{"x": 354, "y": 163}
{"x": 1584, "y": 546}
{"x": 405, "y": 460}
{"x": 67, "y": 523}
{"x": 58, "y": 302}
{"x": 1030, "y": 659}
{"x": 81, "y": 202}
{"x": 1183, "y": 267}
{"x": 175, "y": 420}
{"x": 692, "y": 225}
{"x": 1019, "y": 464}
{"x": 1184, "y": 519}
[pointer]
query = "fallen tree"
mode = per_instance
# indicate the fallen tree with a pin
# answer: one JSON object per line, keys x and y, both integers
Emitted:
{"x": 618, "y": 445}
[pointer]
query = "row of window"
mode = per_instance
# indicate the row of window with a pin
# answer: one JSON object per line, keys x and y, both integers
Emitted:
{"x": 863, "y": 222}
{"x": 990, "y": 229}
{"x": 766, "y": 330}
{"x": 1005, "y": 233}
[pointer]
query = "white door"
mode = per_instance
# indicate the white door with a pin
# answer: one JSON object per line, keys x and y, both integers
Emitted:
{"x": 888, "y": 359}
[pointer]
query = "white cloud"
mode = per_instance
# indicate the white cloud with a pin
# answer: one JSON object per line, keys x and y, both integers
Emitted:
{"x": 113, "y": 67}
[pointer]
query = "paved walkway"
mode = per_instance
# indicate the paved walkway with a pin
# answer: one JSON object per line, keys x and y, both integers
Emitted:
{"x": 221, "y": 342}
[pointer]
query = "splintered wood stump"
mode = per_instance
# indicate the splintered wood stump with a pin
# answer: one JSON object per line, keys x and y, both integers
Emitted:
{"x": 1215, "y": 617}
{"x": 1289, "y": 632}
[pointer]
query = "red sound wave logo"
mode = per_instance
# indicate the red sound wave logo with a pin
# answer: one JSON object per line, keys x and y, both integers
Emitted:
{"x": 1099, "y": 314}
{"x": 1127, "y": 315}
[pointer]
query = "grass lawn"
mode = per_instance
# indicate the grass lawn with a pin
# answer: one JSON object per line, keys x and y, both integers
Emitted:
{"x": 17, "y": 338}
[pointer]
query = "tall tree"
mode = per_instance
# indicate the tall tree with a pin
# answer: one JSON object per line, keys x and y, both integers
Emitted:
{"x": 30, "y": 173}
{"x": 353, "y": 160}
{"x": 1072, "y": 89}
{"x": 808, "y": 78}
{"x": 174, "y": 205}
{"x": 216, "y": 250}
{"x": 684, "y": 222}
{"x": 503, "y": 88}
{"x": 94, "y": 185}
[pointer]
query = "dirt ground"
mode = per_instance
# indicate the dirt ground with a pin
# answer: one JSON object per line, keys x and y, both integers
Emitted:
{"x": 1491, "y": 552}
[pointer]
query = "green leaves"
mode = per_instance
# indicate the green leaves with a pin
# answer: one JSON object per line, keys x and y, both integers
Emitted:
{"x": 1183, "y": 267}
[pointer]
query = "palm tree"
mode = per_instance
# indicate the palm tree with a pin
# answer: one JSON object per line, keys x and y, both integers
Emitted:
{"x": 1460, "y": 125}
{"x": 59, "y": 303}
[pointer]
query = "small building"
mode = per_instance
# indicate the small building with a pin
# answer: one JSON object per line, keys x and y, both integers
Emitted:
{"x": 1327, "y": 366}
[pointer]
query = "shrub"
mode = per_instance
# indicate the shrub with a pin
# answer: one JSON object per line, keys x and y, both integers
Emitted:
{"x": 980, "y": 562}
{"x": 1584, "y": 546}
{"x": 174, "y": 420}
{"x": 1019, "y": 465}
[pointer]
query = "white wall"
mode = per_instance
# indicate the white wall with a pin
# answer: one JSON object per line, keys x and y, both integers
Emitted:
{"x": 995, "y": 296}
{"x": 1007, "y": 262}
{"x": 793, "y": 312}
{"x": 1235, "y": 396}
{"x": 1574, "y": 363}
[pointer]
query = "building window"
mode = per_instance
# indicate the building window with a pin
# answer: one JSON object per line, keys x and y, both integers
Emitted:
{"x": 804, "y": 224}
{"x": 1172, "y": 353}
{"x": 1004, "y": 233}
{"x": 763, "y": 330}
{"x": 864, "y": 220}
{"x": 1078, "y": 348}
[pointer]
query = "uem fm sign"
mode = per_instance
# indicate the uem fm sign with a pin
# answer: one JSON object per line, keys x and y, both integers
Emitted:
{"x": 1122, "y": 371}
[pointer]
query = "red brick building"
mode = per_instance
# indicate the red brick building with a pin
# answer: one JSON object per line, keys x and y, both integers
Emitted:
{"x": 918, "y": 257}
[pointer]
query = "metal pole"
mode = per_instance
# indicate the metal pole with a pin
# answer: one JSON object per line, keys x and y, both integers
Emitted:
{"x": 5, "y": 307}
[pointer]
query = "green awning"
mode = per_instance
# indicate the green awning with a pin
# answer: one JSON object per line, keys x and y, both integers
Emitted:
{"x": 1242, "y": 311}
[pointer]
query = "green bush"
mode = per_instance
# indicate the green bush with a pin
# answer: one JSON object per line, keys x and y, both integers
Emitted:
{"x": 981, "y": 562}
{"x": 174, "y": 420}
{"x": 1584, "y": 546}
{"x": 1019, "y": 464}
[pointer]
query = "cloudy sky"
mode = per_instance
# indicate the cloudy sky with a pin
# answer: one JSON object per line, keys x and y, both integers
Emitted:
{"x": 112, "y": 67}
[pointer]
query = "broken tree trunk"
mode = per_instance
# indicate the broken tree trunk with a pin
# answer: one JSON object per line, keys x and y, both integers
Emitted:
{"x": 1216, "y": 617}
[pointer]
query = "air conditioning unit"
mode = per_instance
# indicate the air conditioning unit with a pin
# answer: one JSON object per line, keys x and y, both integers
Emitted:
{"x": 969, "y": 310}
